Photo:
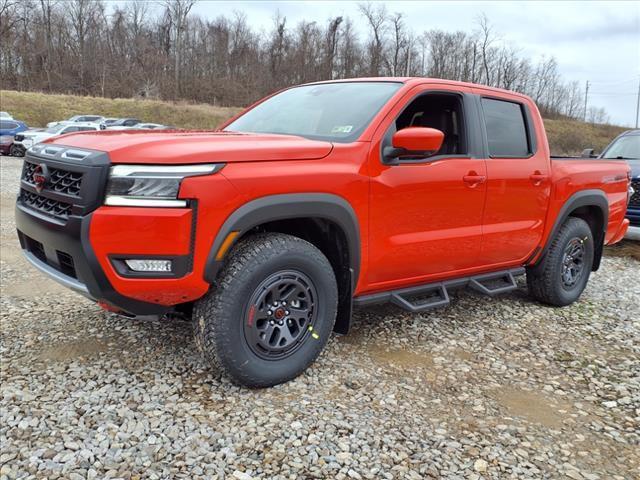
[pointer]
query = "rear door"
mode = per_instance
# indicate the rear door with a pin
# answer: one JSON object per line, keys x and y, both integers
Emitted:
{"x": 518, "y": 180}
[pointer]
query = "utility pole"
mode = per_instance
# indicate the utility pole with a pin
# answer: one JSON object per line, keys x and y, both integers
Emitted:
{"x": 586, "y": 94}
{"x": 638, "y": 104}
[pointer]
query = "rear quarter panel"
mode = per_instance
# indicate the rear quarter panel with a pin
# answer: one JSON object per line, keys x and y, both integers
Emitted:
{"x": 572, "y": 175}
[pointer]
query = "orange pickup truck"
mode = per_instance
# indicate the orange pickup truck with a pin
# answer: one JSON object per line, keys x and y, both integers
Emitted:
{"x": 312, "y": 201}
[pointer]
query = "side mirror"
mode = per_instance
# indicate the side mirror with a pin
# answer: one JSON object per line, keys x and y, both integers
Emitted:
{"x": 587, "y": 153}
{"x": 414, "y": 142}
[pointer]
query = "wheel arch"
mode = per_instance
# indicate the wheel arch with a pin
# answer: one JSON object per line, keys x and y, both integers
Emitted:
{"x": 591, "y": 206}
{"x": 325, "y": 220}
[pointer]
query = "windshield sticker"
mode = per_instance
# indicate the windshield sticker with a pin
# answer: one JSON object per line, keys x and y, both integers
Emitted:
{"x": 342, "y": 129}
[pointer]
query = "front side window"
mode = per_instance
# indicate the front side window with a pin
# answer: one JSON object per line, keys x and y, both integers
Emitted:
{"x": 624, "y": 148}
{"x": 5, "y": 125}
{"x": 440, "y": 111}
{"x": 55, "y": 129}
{"x": 337, "y": 112}
{"x": 506, "y": 128}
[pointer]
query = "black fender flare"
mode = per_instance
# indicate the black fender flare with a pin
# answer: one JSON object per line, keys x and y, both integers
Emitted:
{"x": 289, "y": 206}
{"x": 583, "y": 198}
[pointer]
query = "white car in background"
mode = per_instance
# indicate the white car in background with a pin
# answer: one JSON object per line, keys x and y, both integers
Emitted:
{"x": 5, "y": 116}
{"x": 97, "y": 119}
{"x": 24, "y": 140}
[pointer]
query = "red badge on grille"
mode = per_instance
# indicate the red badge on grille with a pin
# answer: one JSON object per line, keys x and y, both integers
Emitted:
{"x": 40, "y": 176}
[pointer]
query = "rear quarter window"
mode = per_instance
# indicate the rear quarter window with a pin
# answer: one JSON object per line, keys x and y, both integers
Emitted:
{"x": 506, "y": 128}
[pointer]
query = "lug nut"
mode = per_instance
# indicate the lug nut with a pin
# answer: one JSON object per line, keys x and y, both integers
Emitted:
{"x": 287, "y": 312}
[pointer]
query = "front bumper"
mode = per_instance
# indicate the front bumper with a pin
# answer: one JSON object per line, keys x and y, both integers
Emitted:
{"x": 67, "y": 234}
{"x": 63, "y": 252}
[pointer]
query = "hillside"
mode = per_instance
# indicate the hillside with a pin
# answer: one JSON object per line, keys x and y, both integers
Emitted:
{"x": 37, "y": 109}
{"x": 566, "y": 137}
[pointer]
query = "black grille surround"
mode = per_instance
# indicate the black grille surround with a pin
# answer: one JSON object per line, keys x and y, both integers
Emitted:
{"x": 73, "y": 187}
{"x": 635, "y": 198}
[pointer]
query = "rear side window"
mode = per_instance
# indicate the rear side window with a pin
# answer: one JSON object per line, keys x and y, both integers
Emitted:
{"x": 506, "y": 128}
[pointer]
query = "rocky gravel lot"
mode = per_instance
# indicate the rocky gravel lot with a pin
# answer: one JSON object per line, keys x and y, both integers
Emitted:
{"x": 488, "y": 388}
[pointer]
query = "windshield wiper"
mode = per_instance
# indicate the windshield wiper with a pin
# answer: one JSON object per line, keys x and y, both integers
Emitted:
{"x": 619, "y": 157}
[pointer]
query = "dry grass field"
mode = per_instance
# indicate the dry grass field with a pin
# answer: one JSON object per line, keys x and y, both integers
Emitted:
{"x": 566, "y": 137}
{"x": 37, "y": 109}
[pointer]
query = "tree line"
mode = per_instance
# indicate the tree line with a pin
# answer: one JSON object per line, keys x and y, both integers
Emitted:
{"x": 89, "y": 47}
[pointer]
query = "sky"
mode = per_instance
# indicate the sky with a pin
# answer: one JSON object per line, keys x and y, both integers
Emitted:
{"x": 595, "y": 41}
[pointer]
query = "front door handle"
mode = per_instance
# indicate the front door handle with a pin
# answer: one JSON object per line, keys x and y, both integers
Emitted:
{"x": 472, "y": 179}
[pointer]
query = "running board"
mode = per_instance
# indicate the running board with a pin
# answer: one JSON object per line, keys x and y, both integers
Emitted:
{"x": 433, "y": 295}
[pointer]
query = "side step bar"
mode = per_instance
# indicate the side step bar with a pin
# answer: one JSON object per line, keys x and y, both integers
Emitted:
{"x": 433, "y": 295}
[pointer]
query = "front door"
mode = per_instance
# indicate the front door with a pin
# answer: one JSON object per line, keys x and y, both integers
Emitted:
{"x": 426, "y": 218}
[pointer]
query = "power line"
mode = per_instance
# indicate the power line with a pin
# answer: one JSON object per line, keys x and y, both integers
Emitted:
{"x": 617, "y": 82}
{"x": 611, "y": 94}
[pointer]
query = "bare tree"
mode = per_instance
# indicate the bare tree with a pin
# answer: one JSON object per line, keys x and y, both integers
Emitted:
{"x": 177, "y": 11}
{"x": 376, "y": 17}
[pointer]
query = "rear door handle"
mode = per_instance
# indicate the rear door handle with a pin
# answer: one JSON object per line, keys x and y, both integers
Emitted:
{"x": 472, "y": 179}
{"x": 537, "y": 178}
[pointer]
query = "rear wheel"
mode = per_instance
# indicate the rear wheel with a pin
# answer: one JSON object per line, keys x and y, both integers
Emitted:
{"x": 271, "y": 313}
{"x": 561, "y": 276}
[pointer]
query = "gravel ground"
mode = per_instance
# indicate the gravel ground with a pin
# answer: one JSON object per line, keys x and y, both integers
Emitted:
{"x": 487, "y": 388}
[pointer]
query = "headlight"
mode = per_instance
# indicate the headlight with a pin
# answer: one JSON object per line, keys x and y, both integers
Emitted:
{"x": 151, "y": 185}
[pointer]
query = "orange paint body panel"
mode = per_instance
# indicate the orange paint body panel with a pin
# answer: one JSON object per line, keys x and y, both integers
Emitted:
{"x": 451, "y": 216}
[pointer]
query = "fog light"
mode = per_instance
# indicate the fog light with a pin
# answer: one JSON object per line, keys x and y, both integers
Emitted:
{"x": 148, "y": 265}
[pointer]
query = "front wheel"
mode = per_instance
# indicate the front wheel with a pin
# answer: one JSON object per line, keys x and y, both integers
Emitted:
{"x": 16, "y": 151}
{"x": 271, "y": 312}
{"x": 561, "y": 276}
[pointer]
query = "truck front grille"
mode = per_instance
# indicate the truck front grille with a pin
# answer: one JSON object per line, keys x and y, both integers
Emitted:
{"x": 48, "y": 206}
{"x": 74, "y": 182}
{"x": 60, "y": 181}
{"x": 635, "y": 198}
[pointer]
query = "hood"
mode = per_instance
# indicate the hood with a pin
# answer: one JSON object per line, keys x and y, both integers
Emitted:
{"x": 175, "y": 147}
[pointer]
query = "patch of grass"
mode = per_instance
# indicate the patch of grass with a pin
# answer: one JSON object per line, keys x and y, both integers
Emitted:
{"x": 569, "y": 137}
{"x": 38, "y": 109}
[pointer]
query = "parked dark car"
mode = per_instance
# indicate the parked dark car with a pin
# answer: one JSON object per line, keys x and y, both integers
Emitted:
{"x": 8, "y": 128}
{"x": 626, "y": 146}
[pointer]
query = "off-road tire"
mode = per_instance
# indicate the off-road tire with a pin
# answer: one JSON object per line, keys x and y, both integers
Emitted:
{"x": 220, "y": 316}
{"x": 16, "y": 151}
{"x": 545, "y": 280}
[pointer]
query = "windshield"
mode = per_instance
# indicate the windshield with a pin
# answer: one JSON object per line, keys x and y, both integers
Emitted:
{"x": 627, "y": 147}
{"x": 55, "y": 128}
{"x": 332, "y": 111}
